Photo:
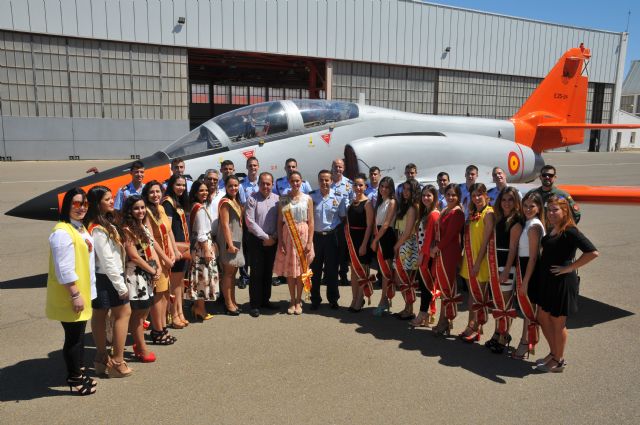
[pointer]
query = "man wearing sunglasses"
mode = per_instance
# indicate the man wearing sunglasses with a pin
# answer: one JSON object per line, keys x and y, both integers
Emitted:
{"x": 547, "y": 178}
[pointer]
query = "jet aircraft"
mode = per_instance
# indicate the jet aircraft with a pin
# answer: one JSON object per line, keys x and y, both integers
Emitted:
{"x": 315, "y": 132}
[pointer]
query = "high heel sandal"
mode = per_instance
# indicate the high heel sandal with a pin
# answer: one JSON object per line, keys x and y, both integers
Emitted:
{"x": 118, "y": 369}
{"x": 81, "y": 385}
{"x": 184, "y": 321}
{"x": 492, "y": 341}
{"x": 421, "y": 321}
{"x": 557, "y": 368}
{"x": 148, "y": 358}
{"x": 160, "y": 338}
{"x": 101, "y": 365}
{"x": 298, "y": 309}
{"x": 200, "y": 316}
{"x": 228, "y": 312}
{"x": 502, "y": 343}
{"x": 165, "y": 332}
{"x": 443, "y": 329}
{"x": 379, "y": 310}
{"x": 523, "y": 354}
{"x": 471, "y": 337}
{"x": 545, "y": 359}
{"x": 291, "y": 309}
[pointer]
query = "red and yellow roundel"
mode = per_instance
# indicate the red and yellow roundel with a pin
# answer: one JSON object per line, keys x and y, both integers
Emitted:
{"x": 514, "y": 163}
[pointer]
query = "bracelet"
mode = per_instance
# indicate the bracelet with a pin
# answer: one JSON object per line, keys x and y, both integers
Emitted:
{"x": 75, "y": 296}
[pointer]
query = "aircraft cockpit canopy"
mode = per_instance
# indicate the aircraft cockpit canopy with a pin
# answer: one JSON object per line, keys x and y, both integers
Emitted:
{"x": 320, "y": 112}
{"x": 262, "y": 121}
{"x": 197, "y": 140}
{"x": 259, "y": 120}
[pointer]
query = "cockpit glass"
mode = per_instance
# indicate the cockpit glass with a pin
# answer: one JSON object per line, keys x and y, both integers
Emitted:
{"x": 320, "y": 112}
{"x": 260, "y": 120}
{"x": 198, "y": 140}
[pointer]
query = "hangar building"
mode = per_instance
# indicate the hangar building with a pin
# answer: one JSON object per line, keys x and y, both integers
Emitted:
{"x": 123, "y": 78}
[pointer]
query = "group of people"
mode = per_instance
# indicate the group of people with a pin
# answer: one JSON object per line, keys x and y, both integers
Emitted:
{"x": 143, "y": 251}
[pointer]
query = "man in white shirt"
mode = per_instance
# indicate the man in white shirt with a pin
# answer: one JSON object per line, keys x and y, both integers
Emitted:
{"x": 211, "y": 179}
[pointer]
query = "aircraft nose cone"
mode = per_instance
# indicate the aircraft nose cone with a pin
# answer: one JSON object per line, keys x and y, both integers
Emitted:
{"x": 43, "y": 207}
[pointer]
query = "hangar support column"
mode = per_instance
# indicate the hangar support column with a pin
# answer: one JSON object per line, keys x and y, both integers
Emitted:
{"x": 328, "y": 84}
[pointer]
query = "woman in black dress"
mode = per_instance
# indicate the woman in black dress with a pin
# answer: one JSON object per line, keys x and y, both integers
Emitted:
{"x": 360, "y": 219}
{"x": 176, "y": 203}
{"x": 558, "y": 284}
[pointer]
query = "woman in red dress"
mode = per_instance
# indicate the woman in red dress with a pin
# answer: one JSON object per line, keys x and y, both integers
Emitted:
{"x": 447, "y": 252}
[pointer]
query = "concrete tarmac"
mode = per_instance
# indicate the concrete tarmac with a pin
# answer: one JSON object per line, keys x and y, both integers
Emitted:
{"x": 330, "y": 367}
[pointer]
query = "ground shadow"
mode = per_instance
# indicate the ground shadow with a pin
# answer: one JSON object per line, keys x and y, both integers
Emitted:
{"x": 28, "y": 282}
{"x": 592, "y": 312}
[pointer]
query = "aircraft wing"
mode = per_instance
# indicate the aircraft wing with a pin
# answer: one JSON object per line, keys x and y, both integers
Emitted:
{"x": 606, "y": 194}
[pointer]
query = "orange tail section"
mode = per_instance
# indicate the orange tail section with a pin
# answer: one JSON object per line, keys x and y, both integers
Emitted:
{"x": 561, "y": 98}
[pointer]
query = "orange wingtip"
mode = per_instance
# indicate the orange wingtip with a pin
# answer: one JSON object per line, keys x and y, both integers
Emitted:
{"x": 585, "y": 125}
{"x": 607, "y": 194}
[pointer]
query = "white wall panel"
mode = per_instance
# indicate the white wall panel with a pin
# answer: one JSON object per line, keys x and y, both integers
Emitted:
{"x": 402, "y": 32}
{"x": 83, "y": 15}
{"x": 141, "y": 21}
{"x": 112, "y": 17}
{"x": 180, "y": 31}
{"x": 127, "y": 20}
{"x": 37, "y": 20}
{"x": 155, "y": 21}
{"x": 99, "y": 17}
{"x": 20, "y": 13}
{"x": 250, "y": 26}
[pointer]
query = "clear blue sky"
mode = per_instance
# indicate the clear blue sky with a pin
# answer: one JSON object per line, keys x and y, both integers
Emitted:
{"x": 608, "y": 15}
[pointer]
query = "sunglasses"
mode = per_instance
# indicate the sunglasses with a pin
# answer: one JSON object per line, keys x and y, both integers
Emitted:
{"x": 548, "y": 176}
{"x": 80, "y": 204}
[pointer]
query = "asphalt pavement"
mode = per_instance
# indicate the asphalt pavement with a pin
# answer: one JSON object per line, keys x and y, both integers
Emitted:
{"x": 330, "y": 367}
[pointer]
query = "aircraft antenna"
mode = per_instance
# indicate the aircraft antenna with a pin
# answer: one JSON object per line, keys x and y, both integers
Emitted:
{"x": 628, "y": 18}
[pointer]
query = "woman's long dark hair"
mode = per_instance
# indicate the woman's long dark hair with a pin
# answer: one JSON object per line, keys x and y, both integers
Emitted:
{"x": 405, "y": 204}
{"x": 193, "y": 193}
{"x": 226, "y": 182}
{"x": 130, "y": 221}
{"x": 456, "y": 188}
{"x": 109, "y": 221}
{"x": 481, "y": 189}
{"x": 423, "y": 211}
{"x": 153, "y": 208}
{"x": 392, "y": 190}
{"x": 517, "y": 214}
{"x": 65, "y": 209}
{"x": 180, "y": 201}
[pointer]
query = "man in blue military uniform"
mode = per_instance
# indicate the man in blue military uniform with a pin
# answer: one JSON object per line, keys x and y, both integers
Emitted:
{"x": 470, "y": 176}
{"x": 328, "y": 211}
{"x": 250, "y": 184}
{"x": 133, "y": 188}
{"x": 282, "y": 186}
{"x": 443, "y": 180}
{"x": 548, "y": 176}
{"x": 372, "y": 188}
{"x": 410, "y": 172}
{"x": 227, "y": 168}
{"x": 343, "y": 188}
{"x": 178, "y": 167}
{"x": 500, "y": 179}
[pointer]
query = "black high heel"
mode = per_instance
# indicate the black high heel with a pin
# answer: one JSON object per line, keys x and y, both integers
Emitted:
{"x": 160, "y": 338}
{"x": 231, "y": 312}
{"x": 501, "y": 344}
{"x": 81, "y": 385}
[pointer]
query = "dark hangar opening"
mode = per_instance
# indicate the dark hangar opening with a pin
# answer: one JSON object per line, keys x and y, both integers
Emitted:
{"x": 220, "y": 81}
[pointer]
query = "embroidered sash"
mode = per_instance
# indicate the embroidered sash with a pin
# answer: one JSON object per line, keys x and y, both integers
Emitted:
{"x": 450, "y": 297}
{"x": 364, "y": 281}
{"x": 385, "y": 270}
{"x": 407, "y": 285}
{"x": 181, "y": 214}
{"x": 528, "y": 309}
{"x": 297, "y": 242}
{"x": 164, "y": 234}
{"x": 481, "y": 302}
{"x": 501, "y": 311}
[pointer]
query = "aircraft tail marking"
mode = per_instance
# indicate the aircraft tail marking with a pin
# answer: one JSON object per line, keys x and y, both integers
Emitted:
{"x": 554, "y": 114}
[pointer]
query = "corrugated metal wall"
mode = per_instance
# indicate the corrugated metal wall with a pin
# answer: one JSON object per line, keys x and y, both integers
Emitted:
{"x": 401, "y": 32}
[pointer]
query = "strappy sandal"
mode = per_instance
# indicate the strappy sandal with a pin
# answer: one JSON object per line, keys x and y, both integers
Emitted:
{"x": 81, "y": 385}
{"x": 160, "y": 338}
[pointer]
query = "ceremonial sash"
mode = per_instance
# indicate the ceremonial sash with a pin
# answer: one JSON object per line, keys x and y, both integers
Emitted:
{"x": 430, "y": 285}
{"x": 449, "y": 291}
{"x": 93, "y": 226}
{"x": 501, "y": 311}
{"x": 164, "y": 234}
{"x": 528, "y": 309}
{"x": 233, "y": 205}
{"x": 181, "y": 214}
{"x": 365, "y": 281}
{"x": 385, "y": 269}
{"x": 481, "y": 302}
{"x": 407, "y": 284}
{"x": 297, "y": 242}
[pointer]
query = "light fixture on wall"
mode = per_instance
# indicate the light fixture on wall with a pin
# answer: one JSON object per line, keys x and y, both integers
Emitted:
{"x": 182, "y": 20}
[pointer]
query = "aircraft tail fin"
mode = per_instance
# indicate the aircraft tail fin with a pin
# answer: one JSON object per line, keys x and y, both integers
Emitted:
{"x": 560, "y": 99}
